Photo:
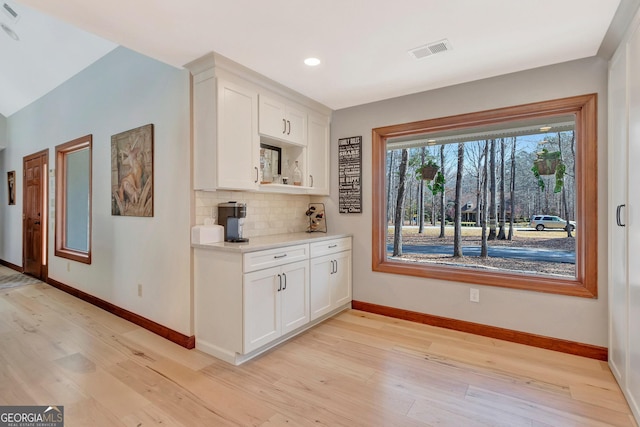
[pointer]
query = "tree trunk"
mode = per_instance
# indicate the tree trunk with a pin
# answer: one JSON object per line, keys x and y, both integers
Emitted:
{"x": 484, "y": 250}
{"x": 493, "y": 208}
{"x": 503, "y": 205}
{"x": 457, "y": 231}
{"x": 421, "y": 196}
{"x": 442, "y": 195}
{"x": 390, "y": 176}
{"x": 512, "y": 188}
{"x": 564, "y": 193}
{"x": 397, "y": 232}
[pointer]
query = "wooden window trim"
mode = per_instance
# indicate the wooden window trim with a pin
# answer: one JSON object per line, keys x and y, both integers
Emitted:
{"x": 61, "y": 199}
{"x": 585, "y": 283}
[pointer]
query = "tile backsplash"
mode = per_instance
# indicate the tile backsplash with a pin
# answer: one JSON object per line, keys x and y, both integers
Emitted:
{"x": 267, "y": 214}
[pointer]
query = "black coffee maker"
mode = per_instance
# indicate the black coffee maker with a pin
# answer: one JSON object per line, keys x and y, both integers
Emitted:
{"x": 231, "y": 216}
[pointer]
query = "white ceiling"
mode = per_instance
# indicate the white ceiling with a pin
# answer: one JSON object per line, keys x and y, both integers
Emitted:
{"x": 363, "y": 44}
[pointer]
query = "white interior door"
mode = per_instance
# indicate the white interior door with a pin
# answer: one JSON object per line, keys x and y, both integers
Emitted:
{"x": 618, "y": 136}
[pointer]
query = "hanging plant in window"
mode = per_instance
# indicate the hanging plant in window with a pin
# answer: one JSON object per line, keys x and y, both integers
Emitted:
{"x": 429, "y": 170}
{"x": 549, "y": 163}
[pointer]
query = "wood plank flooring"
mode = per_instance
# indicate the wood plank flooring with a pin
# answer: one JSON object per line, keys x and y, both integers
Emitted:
{"x": 357, "y": 369}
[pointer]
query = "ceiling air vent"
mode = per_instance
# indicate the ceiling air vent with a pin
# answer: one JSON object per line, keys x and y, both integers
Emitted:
{"x": 10, "y": 12}
{"x": 430, "y": 49}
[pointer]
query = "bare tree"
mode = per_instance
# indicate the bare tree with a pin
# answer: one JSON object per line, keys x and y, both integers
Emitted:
{"x": 397, "y": 232}
{"x": 503, "y": 204}
{"x": 493, "y": 208}
{"x": 512, "y": 188}
{"x": 421, "y": 195}
{"x": 442, "y": 195}
{"x": 484, "y": 250}
{"x": 390, "y": 185}
{"x": 457, "y": 231}
{"x": 564, "y": 190}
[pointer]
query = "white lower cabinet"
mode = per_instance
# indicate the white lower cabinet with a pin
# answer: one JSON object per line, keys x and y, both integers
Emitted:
{"x": 330, "y": 276}
{"x": 247, "y": 302}
{"x": 276, "y": 302}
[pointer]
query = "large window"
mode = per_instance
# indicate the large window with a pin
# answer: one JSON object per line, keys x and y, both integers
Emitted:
{"x": 506, "y": 197}
{"x": 73, "y": 200}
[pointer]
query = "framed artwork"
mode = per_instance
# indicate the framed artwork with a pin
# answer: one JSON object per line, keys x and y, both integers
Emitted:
{"x": 350, "y": 175}
{"x": 11, "y": 183}
{"x": 270, "y": 163}
{"x": 132, "y": 172}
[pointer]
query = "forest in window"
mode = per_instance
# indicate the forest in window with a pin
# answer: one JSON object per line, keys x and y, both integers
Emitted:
{"x": 493, "y": 198}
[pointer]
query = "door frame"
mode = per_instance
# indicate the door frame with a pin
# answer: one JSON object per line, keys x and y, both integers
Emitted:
{"x": 44, "y": 267}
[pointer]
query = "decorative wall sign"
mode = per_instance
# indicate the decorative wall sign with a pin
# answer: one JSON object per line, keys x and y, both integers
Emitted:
{"x": 132, "y": 172}
{"x": 350, "y": 174}
{"x": 11, "y": 183}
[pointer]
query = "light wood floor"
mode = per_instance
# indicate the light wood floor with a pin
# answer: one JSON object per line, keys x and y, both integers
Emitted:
{"x": 356, "y": 369}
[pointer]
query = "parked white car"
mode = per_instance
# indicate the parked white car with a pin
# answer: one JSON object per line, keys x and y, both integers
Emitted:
{"x": 540, "y": 222}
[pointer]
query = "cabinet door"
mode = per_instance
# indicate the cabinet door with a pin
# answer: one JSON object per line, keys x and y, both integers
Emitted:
{"x": 295, "y": 296}
{"x": 320, "y": 285}
{"x": 618, "y": 133}
{"x": 261, "y": 308}
{"x": 238, "y": 141}
{"x": 318, "y": 155}
{"x": 633, "y": 225}
{"x": 296, "y": 125}
{"x": 341, "y": 279}
{"x": 272, "y": 118}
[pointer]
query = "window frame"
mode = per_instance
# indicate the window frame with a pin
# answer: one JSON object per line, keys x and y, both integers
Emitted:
{"x": 62, "y": 150}
{"x": 585, "y": 283}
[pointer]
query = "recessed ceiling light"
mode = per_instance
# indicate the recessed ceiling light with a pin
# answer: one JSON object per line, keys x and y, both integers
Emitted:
{"x": 9, "y": 32}
{"x": 545, "y": 128}
{"x": 312, "y": 62}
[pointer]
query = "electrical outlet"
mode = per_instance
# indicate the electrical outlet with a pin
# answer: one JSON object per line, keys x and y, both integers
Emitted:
{"x": 139, "y": 289}
{"x": 474, "y": 295}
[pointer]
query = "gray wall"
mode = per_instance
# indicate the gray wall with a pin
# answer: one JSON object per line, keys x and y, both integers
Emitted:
{"x": 121, "y": 91}
{"x": 576, "y": 319}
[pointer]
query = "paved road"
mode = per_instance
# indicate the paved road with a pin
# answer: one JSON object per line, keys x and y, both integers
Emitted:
{"x": 530, "y": 254}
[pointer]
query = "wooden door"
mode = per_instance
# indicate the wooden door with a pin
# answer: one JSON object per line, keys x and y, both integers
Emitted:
{"x": 34, "y": 214}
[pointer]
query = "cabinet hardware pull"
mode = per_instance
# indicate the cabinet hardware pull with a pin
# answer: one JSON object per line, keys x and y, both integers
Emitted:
{"x": 336, "y": 261}
{"x": 333, "y": 246}
{"x": 289, "y": 131}
{"x": 280, "y": 286}
{"x": 618, "y": 221}
{"x": 333, "y": 267}
{"x": 279, "y": 256}
{"x": 285, "y": 281}
{"x": 256, "y": 181}
{"x": 284, "y": 126}
{"x": 311, "y": 179}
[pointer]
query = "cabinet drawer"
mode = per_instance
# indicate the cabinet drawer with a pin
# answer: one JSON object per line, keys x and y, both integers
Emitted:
{"x": 273, "y": 257}
{"x": 330, "y": 246}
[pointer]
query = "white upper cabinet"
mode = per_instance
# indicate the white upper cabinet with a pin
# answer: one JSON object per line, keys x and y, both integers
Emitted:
{"x": 234, "y": 111}
{"x": 238, "y": 142}
{"x": 318, "y": 155}
{"x": 282, "y": 121}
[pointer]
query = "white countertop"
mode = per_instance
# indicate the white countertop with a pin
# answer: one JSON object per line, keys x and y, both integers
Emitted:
{"x": 269, "y": 242}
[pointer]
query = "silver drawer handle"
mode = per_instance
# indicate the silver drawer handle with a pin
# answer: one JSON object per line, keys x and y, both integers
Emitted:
{"x": 333, "y": 246}
{"x": 279, "y": 256}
